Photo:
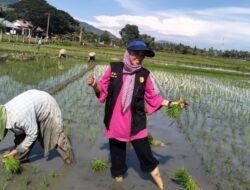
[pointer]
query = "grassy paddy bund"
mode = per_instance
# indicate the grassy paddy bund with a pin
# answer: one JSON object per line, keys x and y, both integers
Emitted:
{"x": 210, "y": 139}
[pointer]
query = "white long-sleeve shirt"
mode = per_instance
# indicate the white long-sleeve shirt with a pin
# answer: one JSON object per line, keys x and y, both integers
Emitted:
{"x": 25, "y": 111}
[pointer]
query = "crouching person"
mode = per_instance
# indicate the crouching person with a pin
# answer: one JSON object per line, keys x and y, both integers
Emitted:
{"x": 34, "y": 115}
{"x": 91, "y": 56}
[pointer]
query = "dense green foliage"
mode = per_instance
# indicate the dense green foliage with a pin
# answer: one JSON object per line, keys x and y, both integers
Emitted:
{"x": 37, "y": 12}
{"x": 129, "y": 32}
{"x": 105, "y": 37}
{"x": 211, "y": 52}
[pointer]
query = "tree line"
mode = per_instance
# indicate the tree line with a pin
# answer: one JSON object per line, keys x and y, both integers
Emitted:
{"x": 132, "y": 31}
{"x": 65, "y": 26}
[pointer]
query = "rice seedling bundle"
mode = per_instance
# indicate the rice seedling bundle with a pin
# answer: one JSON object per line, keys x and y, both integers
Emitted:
{"x": 153, "y": 141}
{"x": 173, "y": 111}
{"x": 98, "y": 165}
{"x": 150, "y": 138}
{"x": 184, "y": 179}
{"x": 12, "y": 165}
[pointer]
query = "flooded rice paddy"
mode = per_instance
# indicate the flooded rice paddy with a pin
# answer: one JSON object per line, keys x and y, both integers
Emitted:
{"x": 210, "y": 138}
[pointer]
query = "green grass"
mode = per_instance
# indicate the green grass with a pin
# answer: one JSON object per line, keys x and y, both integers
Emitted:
{"x": 104, "y": 52}
{"x": 182, "y": 177}
{"x": 98, "y": 165}
{"x": 47, "y": 61}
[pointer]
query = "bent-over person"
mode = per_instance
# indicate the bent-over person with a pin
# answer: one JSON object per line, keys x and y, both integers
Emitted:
{"x": 34, "y": 115}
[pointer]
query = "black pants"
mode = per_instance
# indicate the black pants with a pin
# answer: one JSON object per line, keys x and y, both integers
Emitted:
{"x": 118, "y": 156}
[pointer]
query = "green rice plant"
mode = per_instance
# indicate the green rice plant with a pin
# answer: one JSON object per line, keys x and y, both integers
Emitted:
{"x": 88, "y": 122}
{"x": 80, "y": 133}
{"x": 187, "y": 118}
{"x": 173, "y": 111}
{"x": 68, "y": 129}
{"x": 156, "y": 143}
{"x": 153, "y": 141}
{"x": 3, "y": 186}
{"x": 99, "y": 165}
{"x": 150, "y": 138}
{"x": 182, "y": 177}
{"x": 92, "y": 135}
{"x": 12, "y": 165}
{"x": 45, "y": 182}
{"x": 35, "y": 170}
{"x": 9, "y": 177}
{"x": 26, "y": 181}
{"x": 53, "y": 174}
{"x": 208, "y": 142}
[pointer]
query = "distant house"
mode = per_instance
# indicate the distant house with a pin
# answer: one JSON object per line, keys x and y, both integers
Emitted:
{"x": 38, "y": 31}
{"x": 26, "y": 27}
{"x": 10, "y": 28}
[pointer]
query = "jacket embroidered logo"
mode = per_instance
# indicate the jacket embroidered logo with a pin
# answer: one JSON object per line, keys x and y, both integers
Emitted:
{"x": 141, "y": 79}
{"x": 113, "y": 75}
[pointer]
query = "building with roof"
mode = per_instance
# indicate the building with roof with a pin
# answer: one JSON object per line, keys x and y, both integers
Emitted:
{"x": 9, "y": 27}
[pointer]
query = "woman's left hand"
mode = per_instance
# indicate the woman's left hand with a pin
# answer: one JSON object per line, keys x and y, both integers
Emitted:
{"x": 183, "y": 103}
{"x": 11, "y": 154}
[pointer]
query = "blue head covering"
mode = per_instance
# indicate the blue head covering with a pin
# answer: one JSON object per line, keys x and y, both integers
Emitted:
{"x": 139, "y": 45}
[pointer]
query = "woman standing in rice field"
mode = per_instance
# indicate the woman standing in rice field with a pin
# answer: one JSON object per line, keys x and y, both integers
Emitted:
{"x": 125, "y": 87}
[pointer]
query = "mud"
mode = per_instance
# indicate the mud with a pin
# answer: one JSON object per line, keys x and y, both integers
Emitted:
{"x": 177, "y": 153}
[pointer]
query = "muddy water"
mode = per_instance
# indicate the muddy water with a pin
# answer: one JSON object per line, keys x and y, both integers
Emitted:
{"x": 178, "y": 153}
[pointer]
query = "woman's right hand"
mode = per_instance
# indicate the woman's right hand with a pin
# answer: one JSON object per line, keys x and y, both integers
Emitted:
{"x": 91, "y": 81}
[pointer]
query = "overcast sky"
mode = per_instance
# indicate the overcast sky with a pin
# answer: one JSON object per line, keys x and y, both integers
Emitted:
{"x": 222, "y": 24}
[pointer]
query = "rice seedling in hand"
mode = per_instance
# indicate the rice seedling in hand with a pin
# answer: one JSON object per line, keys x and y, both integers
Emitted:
{"x": 11, "y": 165}
{"x": 98, "y": 165}
{"x": 173, "y": 111}
{"x": 182, "y": 177}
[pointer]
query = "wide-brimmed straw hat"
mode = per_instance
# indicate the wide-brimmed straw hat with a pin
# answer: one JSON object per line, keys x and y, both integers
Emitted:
{"x": 139, "y": 45}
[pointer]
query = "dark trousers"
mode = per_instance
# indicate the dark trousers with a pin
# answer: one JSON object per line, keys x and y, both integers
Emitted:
{"x": 118, "y": 156}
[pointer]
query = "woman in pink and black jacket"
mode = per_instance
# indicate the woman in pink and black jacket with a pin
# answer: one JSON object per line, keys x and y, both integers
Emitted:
{"x": 125, "y": 87}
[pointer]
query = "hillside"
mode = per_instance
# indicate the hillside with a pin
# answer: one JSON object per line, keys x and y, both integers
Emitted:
{"x": 89, "y": 28}
{"x": 8, "y": 2}
{"x": 37, "y": 12}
